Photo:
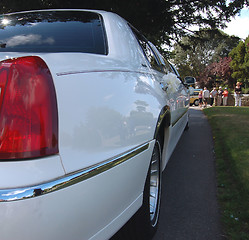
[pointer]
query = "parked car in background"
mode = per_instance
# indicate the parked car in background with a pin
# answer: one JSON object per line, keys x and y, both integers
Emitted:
{"x": 90, "y": 115}
{"x": 194, "y": 97}
{"x": 190, "y": 81}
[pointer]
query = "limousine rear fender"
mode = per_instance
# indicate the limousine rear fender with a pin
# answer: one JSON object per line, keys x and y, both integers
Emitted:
{"x": 163, "y": 121}
{"x": 162, "y": 130}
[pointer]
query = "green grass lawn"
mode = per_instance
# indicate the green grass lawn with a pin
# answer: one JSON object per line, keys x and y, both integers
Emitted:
{"x": 230, "y": 127}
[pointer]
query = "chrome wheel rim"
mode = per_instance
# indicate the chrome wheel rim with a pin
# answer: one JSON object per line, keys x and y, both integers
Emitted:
{"x": 155, "y": 184}
{"x": 196, "y": 103}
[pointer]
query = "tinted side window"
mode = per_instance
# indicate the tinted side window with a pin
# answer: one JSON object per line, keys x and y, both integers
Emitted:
{"x": 147, "y": 50}
{"x": 52, "y": 31}
{"x": 165, "y": 65}
{"x": 151, "y": 57}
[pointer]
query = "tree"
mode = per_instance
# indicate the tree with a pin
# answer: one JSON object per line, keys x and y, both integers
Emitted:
{"x": 246, "y": 62}
{"x": 240, "y": 61}
{"x": 217, "y": 73}
{"x": 223, "y": 72}
{"x": 162, "y": 21}
{"x": 194, "y": 54}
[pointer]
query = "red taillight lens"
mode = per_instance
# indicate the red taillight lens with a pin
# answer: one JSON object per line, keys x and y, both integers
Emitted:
{"x": 28, "y": 109}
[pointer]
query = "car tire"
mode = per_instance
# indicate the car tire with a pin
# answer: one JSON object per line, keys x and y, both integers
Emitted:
{"x": 196, "y": 102}
{"x": 146, "y": 219}
{"x": 153, "y": 190}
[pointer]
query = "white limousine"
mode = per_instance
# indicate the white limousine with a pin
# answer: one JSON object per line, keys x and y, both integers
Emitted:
{"x": 90, "y": 113}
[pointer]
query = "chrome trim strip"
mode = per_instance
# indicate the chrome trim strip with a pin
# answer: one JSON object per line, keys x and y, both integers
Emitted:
{"x": 9, "y": 195}
{"x": 175, "y": 122}
{"x": 99, "y": 71}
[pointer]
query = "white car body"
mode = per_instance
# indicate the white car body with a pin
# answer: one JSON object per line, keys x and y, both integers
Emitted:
{"x": 109, "y": 109}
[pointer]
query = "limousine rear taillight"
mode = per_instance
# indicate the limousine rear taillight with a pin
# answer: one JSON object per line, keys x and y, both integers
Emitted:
{"x": 28, "y": 109}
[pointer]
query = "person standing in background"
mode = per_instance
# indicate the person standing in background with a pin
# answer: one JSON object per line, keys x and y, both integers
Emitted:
{"x": 219, "y": 100}
{"x": 225, "y": 97}
{"x": 206, "y": 95}
{"x": 213, "y": 97}
{"x": 237, "y": 94}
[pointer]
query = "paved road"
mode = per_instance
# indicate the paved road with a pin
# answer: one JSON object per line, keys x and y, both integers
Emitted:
{"x": 189, "y": 209}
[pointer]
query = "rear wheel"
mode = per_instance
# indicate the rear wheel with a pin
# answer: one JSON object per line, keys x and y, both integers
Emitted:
{"x": 196, "y": 102}
{"x": 154, "y": 185}
{"x": 146, "y": 219}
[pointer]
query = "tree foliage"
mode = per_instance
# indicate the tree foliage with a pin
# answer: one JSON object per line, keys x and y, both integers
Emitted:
{"x": 240, "y": 61}
{"x": 160, "y": 20}
{"x": 200, "y": 54}
{"x": 217, "y": 73}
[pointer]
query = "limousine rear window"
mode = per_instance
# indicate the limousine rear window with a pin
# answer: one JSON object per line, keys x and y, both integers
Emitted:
{"x": 52, "y": 31}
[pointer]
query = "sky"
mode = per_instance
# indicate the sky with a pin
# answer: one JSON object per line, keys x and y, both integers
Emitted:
{"x": 239, "y": 26}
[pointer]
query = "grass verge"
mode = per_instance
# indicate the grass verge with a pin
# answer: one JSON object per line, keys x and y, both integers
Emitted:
{"x": 230, "y": 127}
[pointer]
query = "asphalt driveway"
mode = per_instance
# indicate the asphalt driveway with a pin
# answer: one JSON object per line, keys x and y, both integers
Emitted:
{"x": 189, "y": 209}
